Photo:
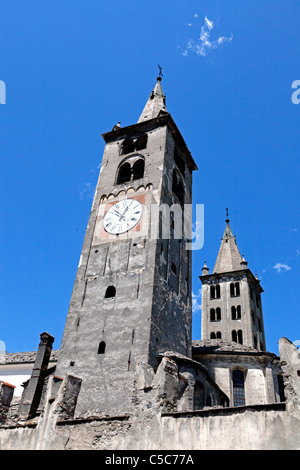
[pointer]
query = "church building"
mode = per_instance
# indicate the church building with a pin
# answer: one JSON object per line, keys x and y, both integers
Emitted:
{"x": 128, "y": 374}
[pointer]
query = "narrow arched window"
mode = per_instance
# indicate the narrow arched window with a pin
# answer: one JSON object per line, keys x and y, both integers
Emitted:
{"x": 232, "y": 289}
{"x": 234, "y": 336}
{"x": 127, "y": 146}
{"x": 141, "y": 142}
{"x": 173, "y": 267}
{"x": 138, "y": 169}
{"x": 281, "y": 387}
{"x": 212, "y": 314}
{"x": 218, "y": 291}
{"x": 259, "y": 324}
{"x": 240, "y": 337}
{"x": 213, "y": 335}
{"x": 238, "y": 387}
{"x": 177, "y": 187}
{"x": 218, "y": 314}
{"x": 236, "y": 313}
{"x": 110, "y": 292}
{"x": 199, "y": 396}
{"x": 218, "y": 335}
{"x": 101, "y": 348}
{"x": 233, "y": 313}
{"x": 179, "y": 162}
{"x": 124, "y": 174}
{"x": 212, "y": 292}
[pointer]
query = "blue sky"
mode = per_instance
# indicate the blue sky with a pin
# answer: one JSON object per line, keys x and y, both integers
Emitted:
{"x": 73, "y": 69}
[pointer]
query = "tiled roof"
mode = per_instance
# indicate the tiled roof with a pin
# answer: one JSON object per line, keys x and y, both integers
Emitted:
{"x": 24, "y": 357}
{"x": 221, "y": 345}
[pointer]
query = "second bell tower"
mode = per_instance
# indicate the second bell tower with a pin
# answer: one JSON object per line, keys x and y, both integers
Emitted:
{"x": 231, "y": 298}
{"x": 132, "y": 294}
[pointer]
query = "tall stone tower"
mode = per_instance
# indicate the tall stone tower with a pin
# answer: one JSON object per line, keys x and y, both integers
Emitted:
{"x": 231, "y": 298}
{"x": 132, "y": 294}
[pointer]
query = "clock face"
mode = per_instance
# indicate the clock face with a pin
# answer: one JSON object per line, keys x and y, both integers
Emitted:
{"x": 122, "y": 216}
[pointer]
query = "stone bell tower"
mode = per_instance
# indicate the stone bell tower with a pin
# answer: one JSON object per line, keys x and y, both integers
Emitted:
{"x": 231, "y": 298}
{"x": 132, "y": 294}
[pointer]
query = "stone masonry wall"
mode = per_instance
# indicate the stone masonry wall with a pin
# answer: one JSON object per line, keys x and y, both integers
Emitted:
{"x": 251, "y": 428}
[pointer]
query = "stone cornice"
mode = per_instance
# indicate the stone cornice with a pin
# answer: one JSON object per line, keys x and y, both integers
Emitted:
{"x": 162, "y": 119}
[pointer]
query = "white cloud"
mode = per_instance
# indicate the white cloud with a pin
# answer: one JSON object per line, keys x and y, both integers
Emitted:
{"x": 280, "y": 267}
{"x": 209, "y": 23}
{"x": 204, "y": 43}
{"x": 195, "y": 15}
{"x": 88, "y": 191}
{"x": 196, "y": 301}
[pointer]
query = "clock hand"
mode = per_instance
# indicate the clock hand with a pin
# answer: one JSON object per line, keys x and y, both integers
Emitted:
{"x": 118, "y": 213}
{"x": 122, "y": 216}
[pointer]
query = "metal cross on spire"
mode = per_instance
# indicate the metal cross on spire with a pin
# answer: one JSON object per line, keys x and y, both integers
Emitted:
{"x": 160, "y": 72}
{"x": 227, "y": 216}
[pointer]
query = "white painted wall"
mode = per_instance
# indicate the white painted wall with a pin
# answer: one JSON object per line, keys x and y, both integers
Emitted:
{"x": 16, "y": 374}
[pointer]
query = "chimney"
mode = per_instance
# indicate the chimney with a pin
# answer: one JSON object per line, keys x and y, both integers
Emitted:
{"x": 33, "y": 391}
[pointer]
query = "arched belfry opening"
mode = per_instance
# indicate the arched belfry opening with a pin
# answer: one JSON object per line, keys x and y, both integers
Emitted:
{"x": 131, "y": 169}
{"x": 124, "y": 174}
{"x": 138, "y": 169}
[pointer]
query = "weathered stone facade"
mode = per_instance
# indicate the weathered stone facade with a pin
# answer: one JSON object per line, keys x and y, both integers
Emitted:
{"x": 155, "y": 424}
{"x": 128, "y": 376}
{"x": 261, "y": 369}
{"x": 6, "y": 394}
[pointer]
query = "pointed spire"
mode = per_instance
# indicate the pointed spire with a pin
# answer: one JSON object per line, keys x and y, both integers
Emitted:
{"x": 244, "y": 263}
{"x": 156, "y": 102}
{"x": 227, "y": 233}
{"x": 205, "y": 269}
{"x": 229, "y": 257}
